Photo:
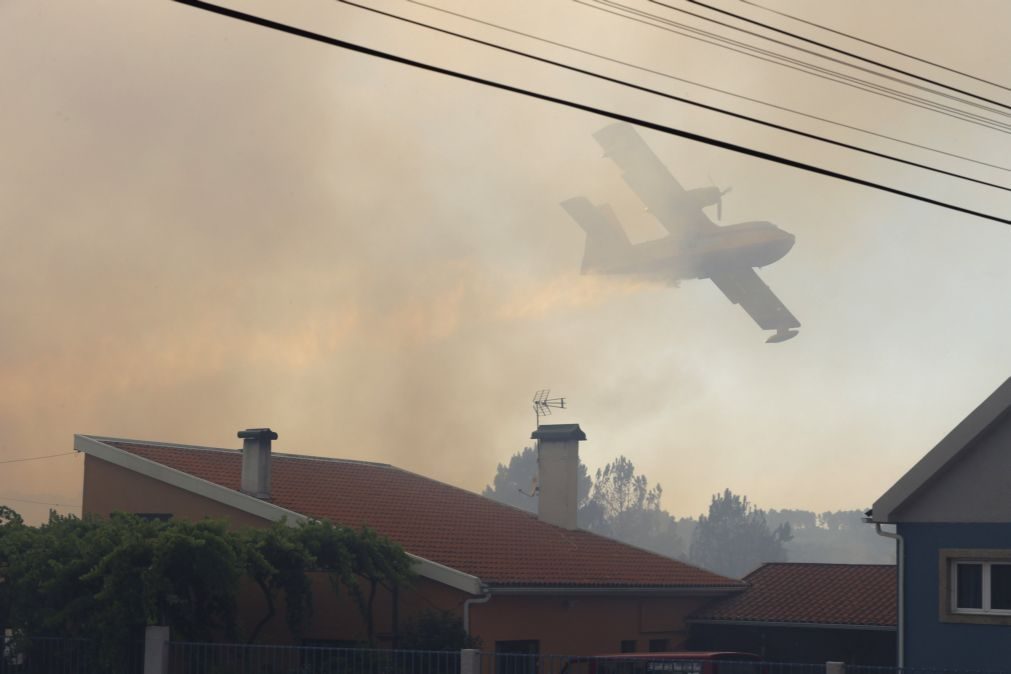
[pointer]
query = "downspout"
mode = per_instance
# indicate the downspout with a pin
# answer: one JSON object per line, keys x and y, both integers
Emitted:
{"x": 483, "y": 599}
{"x": 900, "y": 560}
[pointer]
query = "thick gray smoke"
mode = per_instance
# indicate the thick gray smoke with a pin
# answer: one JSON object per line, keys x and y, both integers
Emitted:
{"x": 208, "y": 227}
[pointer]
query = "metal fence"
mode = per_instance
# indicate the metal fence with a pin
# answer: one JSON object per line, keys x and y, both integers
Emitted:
{"x": 57, "y": 655}
{"x": 206, "y": 658}
{"x": 643, "y": 663}
{"x": 45, "y": 655}
{"x": 518, "y": 663}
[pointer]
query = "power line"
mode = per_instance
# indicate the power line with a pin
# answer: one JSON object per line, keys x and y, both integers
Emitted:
{"x": 794, "y": 64}
{"x": 829, "y": 47}
{"x": 343, "y": 44}
{"x": 700, "y": 85}
{"x": 799, "y": 65}
{"x": 24, "y": 500}
{"x": 36, "y": 458}
{"x": 875, "y": 44}
{"x": 711, "y": 108}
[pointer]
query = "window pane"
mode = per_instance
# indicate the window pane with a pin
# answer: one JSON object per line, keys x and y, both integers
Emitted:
{"x": 969, "y": 584}
{"x": 1000, "y": 586}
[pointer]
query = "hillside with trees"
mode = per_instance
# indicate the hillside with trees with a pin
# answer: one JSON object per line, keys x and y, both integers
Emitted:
{"x": 733, "y": 537}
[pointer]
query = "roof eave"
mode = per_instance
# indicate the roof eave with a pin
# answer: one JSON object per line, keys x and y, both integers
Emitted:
{"x": 98, "y": 447}
{"x": 624, "y": 590}
{"x": 781, "y": 623}
{"x": 944, "y": 453}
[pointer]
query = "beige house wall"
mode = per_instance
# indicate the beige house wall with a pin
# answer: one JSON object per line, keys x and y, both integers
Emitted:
{"x": 584, "y": 625}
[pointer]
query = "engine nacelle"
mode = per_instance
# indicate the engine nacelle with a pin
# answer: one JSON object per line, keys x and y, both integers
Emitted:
{"x": 704, "y": 196}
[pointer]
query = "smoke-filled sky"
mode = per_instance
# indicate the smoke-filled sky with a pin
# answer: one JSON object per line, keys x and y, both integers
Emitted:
{"x": 208, "y": 226}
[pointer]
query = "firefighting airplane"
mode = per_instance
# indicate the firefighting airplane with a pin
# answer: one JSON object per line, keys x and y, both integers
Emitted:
{"x": 696, "y": 246}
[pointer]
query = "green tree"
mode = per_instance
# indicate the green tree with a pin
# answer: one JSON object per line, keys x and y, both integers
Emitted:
{"x": 514, "y": 483}
{"x": 192, "y": 581}
{"x": 358, "y": 563}
{"x": 619, "y": 504}
{"x": 376, "y": 562}
{"x": 841, "y": 536}
{"x": 49, "y": 594}
{"x": 797, "y": 519}
{"x": 435, "y": 630}
{"x": 735, "y": 537}
{"x": 11, "y": 526}
{"x": 279, "y": 561}
{"x": 106, "y": 579}
{"x": 56, "y": 589}
{"x": 629, "y": 509}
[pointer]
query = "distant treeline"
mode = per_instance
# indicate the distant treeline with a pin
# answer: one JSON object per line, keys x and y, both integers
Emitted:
{"x": 836, "y": 536}
{"x": 733, "y": 538}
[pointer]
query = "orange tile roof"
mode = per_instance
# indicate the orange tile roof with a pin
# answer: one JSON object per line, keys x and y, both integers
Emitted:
{"x": 827, "y": 594}
{"x": 501, "y": 545}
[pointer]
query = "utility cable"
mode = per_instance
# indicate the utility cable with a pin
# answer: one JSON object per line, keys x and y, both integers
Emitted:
{"x": 793, "y": 64}
{"x": 375, "y": 53}
{"x": 36, "y": 458}
{"x": 679, "y": 99}
{"x": 699, "y": 84}
{"x": 844, "y": 52}
{"x": 875, "y": 44}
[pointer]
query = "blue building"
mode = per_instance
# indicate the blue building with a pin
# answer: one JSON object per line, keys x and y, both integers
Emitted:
{"x": 952, "y": 517}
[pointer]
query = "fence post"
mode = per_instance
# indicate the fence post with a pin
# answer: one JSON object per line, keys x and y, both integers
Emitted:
{"x": 470, "y": 661}
{"x": 156, "y": 639}
{"x": 831, "y": 667}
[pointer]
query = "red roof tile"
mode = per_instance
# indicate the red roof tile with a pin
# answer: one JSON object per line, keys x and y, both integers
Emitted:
{"x": 501, "y": 545}
{"x": 828, "y": 594}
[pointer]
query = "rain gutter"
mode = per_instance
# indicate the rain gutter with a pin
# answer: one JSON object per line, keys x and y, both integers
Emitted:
{"x": 483, "y": 599}
{"x": 900, "y": 562}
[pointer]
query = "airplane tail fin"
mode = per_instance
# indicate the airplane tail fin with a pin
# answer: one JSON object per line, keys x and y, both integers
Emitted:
{"x": 606, "y": 241}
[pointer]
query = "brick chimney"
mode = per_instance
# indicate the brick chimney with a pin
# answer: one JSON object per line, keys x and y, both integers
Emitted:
{"x": 558, "y": 473}
{"x": 256, "y": 461}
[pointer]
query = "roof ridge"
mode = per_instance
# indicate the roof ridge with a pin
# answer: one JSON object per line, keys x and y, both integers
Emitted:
{"x": 229, "y": 450}
{"x": 154, "y": 443}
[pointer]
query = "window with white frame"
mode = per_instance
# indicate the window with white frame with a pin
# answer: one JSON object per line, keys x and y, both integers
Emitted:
{"x": 981, "y": 587}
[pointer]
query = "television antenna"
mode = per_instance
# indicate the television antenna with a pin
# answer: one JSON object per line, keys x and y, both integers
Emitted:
{"x": 543, "y": 402}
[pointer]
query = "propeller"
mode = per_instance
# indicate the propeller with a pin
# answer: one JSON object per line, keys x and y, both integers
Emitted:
{"x": 719, "y": 202}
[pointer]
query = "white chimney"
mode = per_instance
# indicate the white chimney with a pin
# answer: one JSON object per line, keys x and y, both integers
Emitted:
{"x": 256, "y": 461}
{"x": 558, "y": 473}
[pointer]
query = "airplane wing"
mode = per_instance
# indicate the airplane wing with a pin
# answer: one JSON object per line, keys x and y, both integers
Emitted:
{"x": 652, "y": 182}
{"x": 743, "y": 286}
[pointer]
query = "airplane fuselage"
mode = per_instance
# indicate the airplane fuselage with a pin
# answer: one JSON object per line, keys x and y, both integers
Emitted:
{"x": 751, "y": 244}
{"x": 696, "y": 247}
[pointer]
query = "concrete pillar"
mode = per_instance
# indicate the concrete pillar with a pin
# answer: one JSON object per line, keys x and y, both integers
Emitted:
{"x": 156, "y": 638}
{"x": 470, "y": 661}
{"x": 832, "y": 667}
